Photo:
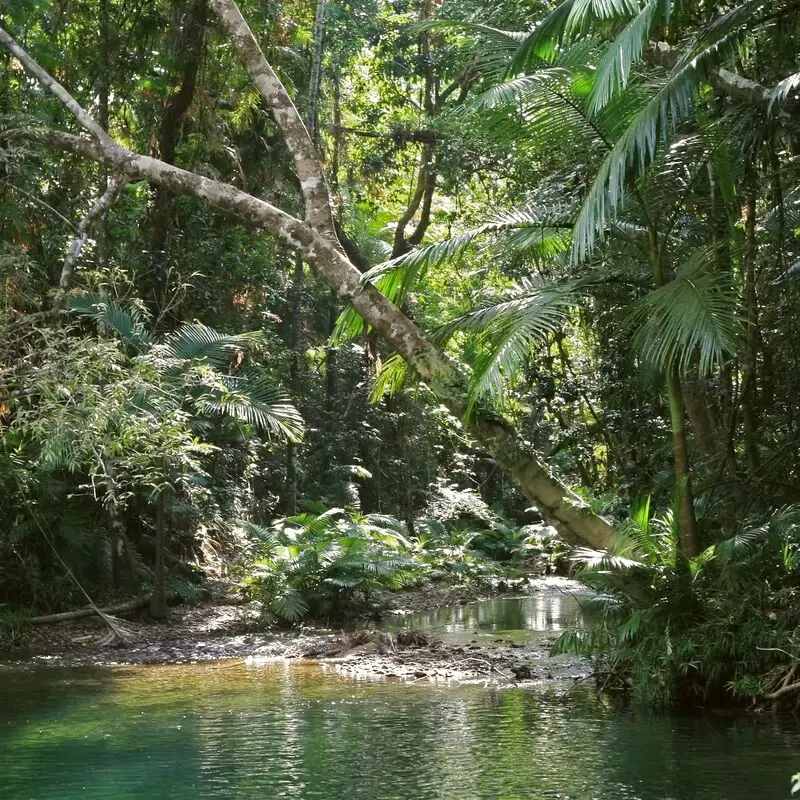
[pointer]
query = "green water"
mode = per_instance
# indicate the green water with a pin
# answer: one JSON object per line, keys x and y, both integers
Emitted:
{"x": 555, "y": 606}
{"x": 236, "y": 730}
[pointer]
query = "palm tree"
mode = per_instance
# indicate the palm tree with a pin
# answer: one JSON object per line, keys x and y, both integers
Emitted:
{"x": 195, "y": 363}
{"x": 662, "y": 177}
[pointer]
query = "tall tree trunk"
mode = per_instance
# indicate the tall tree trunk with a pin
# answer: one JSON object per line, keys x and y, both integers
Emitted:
{"x": 190, "y": 45}
{"x": 689, "y": 546}
{"x": 750, "y": 373}
{"x": 298, "y": 278}
{"x": 316, "y": 70}
{"x": 158, "y": 602}
{"x": 289, "y": 500}
{"x": 683, "y": 479}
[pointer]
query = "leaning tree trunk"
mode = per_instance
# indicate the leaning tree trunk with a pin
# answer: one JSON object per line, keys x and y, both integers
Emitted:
{"x": 158, "y": 600}
{"x": 315, "y": 239}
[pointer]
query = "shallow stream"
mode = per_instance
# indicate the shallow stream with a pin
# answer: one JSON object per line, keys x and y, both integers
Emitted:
{"x": 235, "y": 730}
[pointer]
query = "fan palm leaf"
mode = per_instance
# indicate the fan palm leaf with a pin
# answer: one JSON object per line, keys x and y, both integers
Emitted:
{"x": 256, "y": 402}
{"x": 691, "y": 318}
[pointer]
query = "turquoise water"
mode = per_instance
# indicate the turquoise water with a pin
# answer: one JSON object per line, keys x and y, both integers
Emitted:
{"x": 233, "y": 730}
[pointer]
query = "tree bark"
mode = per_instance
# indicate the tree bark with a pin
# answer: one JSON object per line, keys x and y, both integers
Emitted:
{"x": 750, "y": 421}
{"x": 158, "y": 601}
{"x": 190, "y": 46}
{"x": 315, "y": 239}
{"x": 97, "y": 210}
{"x": 289, "y": 500}
{"x": 316, "y": 70}
{"x": 689, "y": 545}
{"x": 67, "y": 616}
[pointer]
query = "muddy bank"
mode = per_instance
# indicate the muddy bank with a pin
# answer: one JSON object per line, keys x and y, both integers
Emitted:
{"x": 225, "y": 627}
{"x": 415, "y": 656}
{"x": 230, "y": 628}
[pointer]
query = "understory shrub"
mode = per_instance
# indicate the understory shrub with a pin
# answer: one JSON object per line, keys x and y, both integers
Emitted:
{"x": 720, "y": 629}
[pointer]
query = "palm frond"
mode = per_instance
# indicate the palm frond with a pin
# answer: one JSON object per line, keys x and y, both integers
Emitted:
{"x": 389, "y": 379}
{"x": 128, "y": 321}
{"x": 290, "y": 605}
{"x": 584, "y": 12}
{"x": 519, "y": 90}
{"x": 198, "y": 342}
{"x": 614, "y": 68}
{"x": 538, "y": 232}
{"x": 693, "y": 316}
{"x": 507, "y": 328}
{"x": 256, "y": 402}
{"x": 784, "y": 90}
{"x": 658, "y": 117}
{"x": 266, "y": 537}
{"x": 739, "y": 545}
{"x": 541, "y": 44}
{"x": 603, "y": 561}
{"x": 547, "y": 228}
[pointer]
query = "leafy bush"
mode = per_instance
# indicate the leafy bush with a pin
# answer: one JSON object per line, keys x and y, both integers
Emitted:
{"x": 327, "y": 566}
{"x": 447, "y": 554}
{"x": 15, "y": 627}
{"x": 714, "y": 629}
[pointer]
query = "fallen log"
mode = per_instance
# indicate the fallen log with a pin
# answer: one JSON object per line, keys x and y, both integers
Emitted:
{"x": 66, "y": 616}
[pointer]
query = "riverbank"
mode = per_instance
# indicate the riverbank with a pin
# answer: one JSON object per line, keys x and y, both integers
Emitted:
{"x": 227, "y": 628}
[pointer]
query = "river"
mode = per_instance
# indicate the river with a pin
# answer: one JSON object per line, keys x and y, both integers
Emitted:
{"x": 232, "y": 729}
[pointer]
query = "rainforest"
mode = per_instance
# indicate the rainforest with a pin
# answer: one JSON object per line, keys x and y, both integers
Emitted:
{"x": 317, "y": 313}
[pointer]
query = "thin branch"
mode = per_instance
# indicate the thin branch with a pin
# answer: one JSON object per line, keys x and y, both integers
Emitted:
{"x": 399, "y": 135}
{"x": 56, "y": 88}
{"x": 778, "y": 693}
{"x": 100, "y": 207}
{"x": 40, "y": 202}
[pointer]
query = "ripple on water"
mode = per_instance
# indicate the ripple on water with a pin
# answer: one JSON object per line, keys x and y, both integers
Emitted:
{"x": 229, "y": 730}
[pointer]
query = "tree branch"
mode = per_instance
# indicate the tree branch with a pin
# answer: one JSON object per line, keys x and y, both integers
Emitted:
{"x": 56, "y": 88}
{"x": 723, "y": 80}
{"x": 306, "y": 160}
{"x": 319, "y": 246}
{"x": 400, "y": 136}
{"x": 100, "y": 207}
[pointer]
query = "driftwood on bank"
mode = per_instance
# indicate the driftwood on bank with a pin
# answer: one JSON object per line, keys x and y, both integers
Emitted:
{"x": 66, "y": 616}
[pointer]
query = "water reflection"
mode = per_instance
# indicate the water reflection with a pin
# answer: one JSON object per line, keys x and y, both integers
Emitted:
{"x": 556, "y": 605}
{"x": 229, "y": 730}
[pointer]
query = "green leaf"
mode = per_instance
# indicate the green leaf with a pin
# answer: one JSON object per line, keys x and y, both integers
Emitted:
{"x": 256, "y": 402}
{"x": 692, "y": 317}
{"x": 198, "y": 342}
{"x": 508, "y": 327}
